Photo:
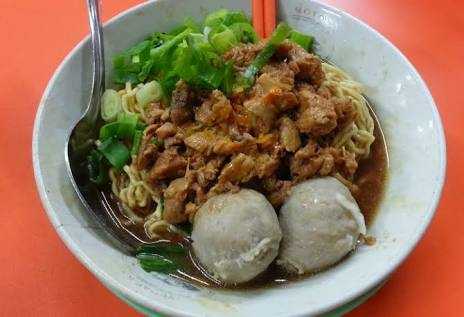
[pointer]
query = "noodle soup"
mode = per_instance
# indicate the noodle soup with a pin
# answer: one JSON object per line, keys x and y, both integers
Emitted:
{"x": 209, "y": 142}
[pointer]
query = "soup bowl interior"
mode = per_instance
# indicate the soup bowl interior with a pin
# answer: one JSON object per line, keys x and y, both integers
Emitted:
{"x": 400, "y": 99}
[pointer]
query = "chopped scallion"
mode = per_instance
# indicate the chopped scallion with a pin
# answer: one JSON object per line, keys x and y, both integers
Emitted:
{"x": 305, "y": 41}
{"x": 244, "y": 32}
{"x": 225, "y": 17}
{"x": 149, "y": 92}
{"x": 127, "y": 124}
{"x": 156, "y": 263}
{"x": 223, "y": 41}
{"x": 115, "y": 152}
{"x": 123, "y": 128}
{"x": 278, "y": 36}
{"x": 111, "y": 105}
{"x": 97, "y": 168}
{"x": 109, "y": 130}
{"x": 136, "y": 142}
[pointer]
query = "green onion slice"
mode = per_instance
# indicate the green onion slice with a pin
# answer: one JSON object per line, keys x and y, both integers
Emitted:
{"x": 111, "y": 105}
{"x": 97, "y": 168}
{"x": 278, "y": 36}
{"x": 156, "y": 263}
{"x": 305, "y": 41}
{"x": 136, "y": 142}
{"x": 115, "y": 152}
{"x": 149, "y": 92}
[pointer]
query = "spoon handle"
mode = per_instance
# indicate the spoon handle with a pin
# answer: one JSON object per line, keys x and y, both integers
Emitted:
{"x": 98, "y": 62}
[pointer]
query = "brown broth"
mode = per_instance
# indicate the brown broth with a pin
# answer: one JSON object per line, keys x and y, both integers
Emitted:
{"x": 370, "y": 178}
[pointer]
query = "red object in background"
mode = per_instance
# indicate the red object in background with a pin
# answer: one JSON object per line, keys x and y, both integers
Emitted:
{"x": 257, "y": 12}
{"x": 270, "y": 16}
{"x": 40, "y": 277}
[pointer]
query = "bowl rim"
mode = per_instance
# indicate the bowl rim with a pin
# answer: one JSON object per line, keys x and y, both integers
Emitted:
{"x": 102, "y": 276}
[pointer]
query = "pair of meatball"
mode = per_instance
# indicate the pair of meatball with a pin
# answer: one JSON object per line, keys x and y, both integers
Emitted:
{"x": 236, "y": 236}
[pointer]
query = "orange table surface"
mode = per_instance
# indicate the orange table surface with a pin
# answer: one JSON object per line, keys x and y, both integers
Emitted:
{"x": 39, "y": 276}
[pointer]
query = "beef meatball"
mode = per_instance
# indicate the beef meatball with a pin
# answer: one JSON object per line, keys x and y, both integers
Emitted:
{"x": 236, "y": 236}
{"x": 321, "y": 222}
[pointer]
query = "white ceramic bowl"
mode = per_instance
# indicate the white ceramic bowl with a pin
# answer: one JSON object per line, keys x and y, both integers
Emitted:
{"x": 401, "y": 100}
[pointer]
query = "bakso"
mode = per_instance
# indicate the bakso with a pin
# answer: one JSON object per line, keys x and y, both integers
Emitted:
{"x": 236, "y": 236}
{"x": 321, "y": 223}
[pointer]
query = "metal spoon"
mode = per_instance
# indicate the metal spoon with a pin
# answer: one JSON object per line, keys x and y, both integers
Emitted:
{"x": 81, "y": 141}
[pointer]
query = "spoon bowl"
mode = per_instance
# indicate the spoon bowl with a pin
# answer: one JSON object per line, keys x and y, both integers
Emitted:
{"x": 81, "y": 141}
